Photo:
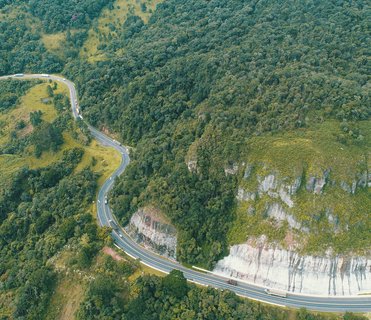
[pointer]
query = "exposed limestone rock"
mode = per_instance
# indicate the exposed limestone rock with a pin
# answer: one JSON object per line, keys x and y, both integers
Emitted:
{"x": 346, "y": 187}
{"x": 192, "y": 165}
{"x": 251, "y": 210}
{"x": 243, "y": 195}
{"x": 293, "y": 188}
{"x": 148, "y": 227}
{"x": 310, "y": 184}
{"x": 333, "y": 220}
{"x": 269, "y": 182}
{"x": 285, "y": 197}
{"x": 272, "y": 266}
{"x": 275, "y": 188}
{"x": 231, "y": 169}
{"x": 248, "y": 171}
{"x": 316, "y": 184}
{"x": 277, "y": 212}
{"x": 362, "y": 180}
{"x": 276, "y": 197}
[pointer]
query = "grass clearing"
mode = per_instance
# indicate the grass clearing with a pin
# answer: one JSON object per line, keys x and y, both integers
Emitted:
{"x": 30, "y": 102}
{"x": 53, "y": 42}
{"x": 313, "y": 150}
{"x": 66, "y": 299}
{"x": 101, "y": 159}
{"x": 145, "y": 270}
{"x": 107, "y": 160}
{"x": 110, "y": 21}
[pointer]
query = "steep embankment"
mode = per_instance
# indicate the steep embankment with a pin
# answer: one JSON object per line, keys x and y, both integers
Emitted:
{"x": 149, "y": 227}
{"x": 304, "y": 208}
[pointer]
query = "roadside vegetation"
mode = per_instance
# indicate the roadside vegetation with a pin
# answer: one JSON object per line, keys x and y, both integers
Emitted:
{"x": 210, "y": 81}
{"x": 50, "y": 172}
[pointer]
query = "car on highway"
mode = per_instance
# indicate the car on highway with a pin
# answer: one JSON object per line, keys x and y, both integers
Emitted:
{"x": 113, "y": 224}
{"x": 232, "y": 282}
{"x": 276, "y": 292}
{"x": 105, "y": 200}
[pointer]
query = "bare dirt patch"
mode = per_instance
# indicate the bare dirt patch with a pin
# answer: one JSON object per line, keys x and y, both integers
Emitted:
{"x": 112, "y": 253}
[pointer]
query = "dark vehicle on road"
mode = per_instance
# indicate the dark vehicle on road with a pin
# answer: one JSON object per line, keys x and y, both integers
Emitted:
{"x": 113, "y": 225}
{"x": 232, "y": 282}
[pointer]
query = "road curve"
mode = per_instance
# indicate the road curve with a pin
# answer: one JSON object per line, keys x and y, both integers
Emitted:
{"x": 124, "y": 242}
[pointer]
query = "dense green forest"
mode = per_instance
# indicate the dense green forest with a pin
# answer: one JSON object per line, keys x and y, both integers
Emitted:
{"x": 23, "y": 24}
{"x": 171, "y": 298}
{"x": 61, "y": 15}
{"x": 227, "y": 72}
{"x": 42, "y": 209}
{"x": 22, "y": 50}
{"x": 45, "y": 207}
{"x": 199, "y": 79}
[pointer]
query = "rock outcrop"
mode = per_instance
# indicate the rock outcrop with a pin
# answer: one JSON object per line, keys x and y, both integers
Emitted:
{"x": 149, "y": 227}
{"x": 277, "y": 212}
{"x": 276, "y": 188}
{"x": 270, "y": 265}
{"x": 275, "y": 199}
{"x": 282, "y": 192}
{"x": 231, "y": 169}
{"x": 243, "y": 195}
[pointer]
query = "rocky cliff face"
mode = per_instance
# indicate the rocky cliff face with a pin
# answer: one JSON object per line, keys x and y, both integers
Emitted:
{"x": 299, "y": 207}
{"x": 281, "y": 197}
{"x": 149, "y": 228}
{"x": 270, "y": 265}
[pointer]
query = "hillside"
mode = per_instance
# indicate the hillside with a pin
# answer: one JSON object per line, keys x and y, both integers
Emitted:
{"x": 54, "y": 261}
{"x": 194, "y": 92}
{"x": 49, "y": 174}
{"x": 249, "y": 131}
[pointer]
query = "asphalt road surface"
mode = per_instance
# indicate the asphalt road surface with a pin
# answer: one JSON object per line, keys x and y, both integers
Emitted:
{"x": 124, "y": 242}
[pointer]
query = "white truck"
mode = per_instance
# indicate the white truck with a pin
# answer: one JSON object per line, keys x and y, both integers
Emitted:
{"x": 276, "y": 292}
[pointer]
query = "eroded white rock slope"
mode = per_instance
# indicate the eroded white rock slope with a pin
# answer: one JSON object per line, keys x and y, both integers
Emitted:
{"x": 269, "y": 265}
{"x": 148, "y": 228}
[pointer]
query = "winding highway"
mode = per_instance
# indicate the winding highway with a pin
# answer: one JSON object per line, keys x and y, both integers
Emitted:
{"x": 124, "y": 242}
